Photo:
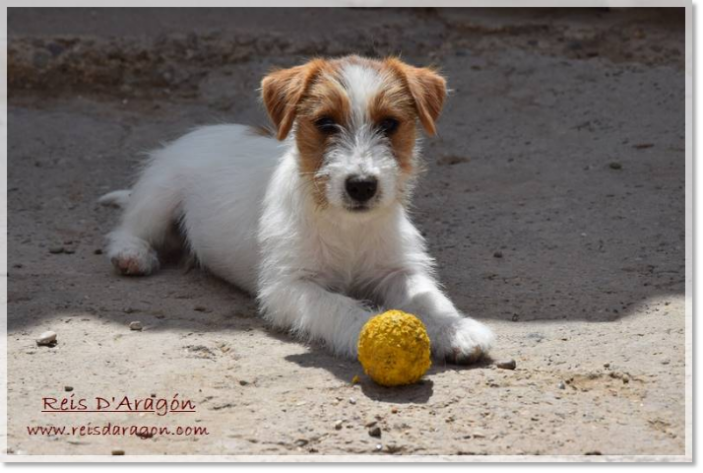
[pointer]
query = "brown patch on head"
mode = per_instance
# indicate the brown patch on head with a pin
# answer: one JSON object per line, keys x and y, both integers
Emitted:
{"x": 282, "y": 91}
{"x": 428, "y": 90}
{"x": 395, "y": 102}
{"x": 306, "y": 94}
{"x": 326, "y": 98}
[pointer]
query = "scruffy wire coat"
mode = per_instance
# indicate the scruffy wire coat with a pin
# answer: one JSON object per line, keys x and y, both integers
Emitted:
{"x": 314, "y": 224}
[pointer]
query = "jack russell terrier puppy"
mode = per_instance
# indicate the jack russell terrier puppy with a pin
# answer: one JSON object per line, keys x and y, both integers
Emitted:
{"x": 315, "y": 223}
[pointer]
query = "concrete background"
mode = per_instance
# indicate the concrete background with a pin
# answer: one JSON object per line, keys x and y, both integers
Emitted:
{"x": 561, "y": 148}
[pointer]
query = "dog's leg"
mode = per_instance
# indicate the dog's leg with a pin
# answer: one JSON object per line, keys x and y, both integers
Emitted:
{"x": 313, "y": 312}
{"x": 454, "y": 336}
{"x": 150, "y": 211}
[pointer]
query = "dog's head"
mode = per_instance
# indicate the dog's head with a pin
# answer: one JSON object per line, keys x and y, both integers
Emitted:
{"x": 355, "y": 123}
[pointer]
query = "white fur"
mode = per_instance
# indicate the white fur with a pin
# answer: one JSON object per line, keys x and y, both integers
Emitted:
{"x": 249, "y": 216}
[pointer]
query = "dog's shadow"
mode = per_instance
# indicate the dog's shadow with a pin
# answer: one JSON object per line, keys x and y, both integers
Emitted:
{"x": 345, "y": 370}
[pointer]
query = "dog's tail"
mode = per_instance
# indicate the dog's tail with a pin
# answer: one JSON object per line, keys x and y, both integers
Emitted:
{"x": 117, "y": 199}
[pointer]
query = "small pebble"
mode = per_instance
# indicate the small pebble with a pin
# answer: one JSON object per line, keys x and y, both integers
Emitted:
{"x": 394, "y": 410}
{"x": 338, "y": 425}
{"x": 615, "y": 166}
{"x": 352, "y": 400}
{"x": 98, "y": 252}
{"x": 379, "y": 447}
{"x": 561, "y": 385}
{"x": 498, "y": 254}
{"x": 394, "y": 448}
{"x": 507, "y": 364}
{"x": 243, "y": 382}
{"x": 117, "y": 451}
{"x": 55, "y": 49}
{"x": 375, "y": 431}
{"x": 136, "y": 325}
{"x": 68, "y": 389}
{"x": 47, "y": 339}
{"x": 56, "y": 250}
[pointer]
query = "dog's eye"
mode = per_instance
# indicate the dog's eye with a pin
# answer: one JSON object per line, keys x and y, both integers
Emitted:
{"x": 387, "y": 126}
{"x": 326, "y": 125}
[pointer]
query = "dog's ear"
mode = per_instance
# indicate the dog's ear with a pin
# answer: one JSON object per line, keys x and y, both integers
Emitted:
{"x": 282, "y": 91}
{"x": 427, "y": 88}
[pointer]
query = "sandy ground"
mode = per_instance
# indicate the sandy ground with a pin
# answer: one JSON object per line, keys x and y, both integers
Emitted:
{"x": 561, "y": 148}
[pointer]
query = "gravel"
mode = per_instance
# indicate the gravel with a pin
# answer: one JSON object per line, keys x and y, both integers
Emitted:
{"x": 136, "y": 325}
{"x": 506, "y": 364}
{"x": 47, "y": 339}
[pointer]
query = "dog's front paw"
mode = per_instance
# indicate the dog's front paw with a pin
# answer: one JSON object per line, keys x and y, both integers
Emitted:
{"x": 462, "y": 341}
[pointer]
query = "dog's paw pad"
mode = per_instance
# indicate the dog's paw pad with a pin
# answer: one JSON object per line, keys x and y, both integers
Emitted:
{"x": 132, "y": 256}
{"x": 132, "y": 265}
{"x": 459, "y": 357}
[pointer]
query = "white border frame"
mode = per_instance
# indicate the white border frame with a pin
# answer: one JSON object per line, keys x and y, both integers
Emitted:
{"x": 687, "y": 457}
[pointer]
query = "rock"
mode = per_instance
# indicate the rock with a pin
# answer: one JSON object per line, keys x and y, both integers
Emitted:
{"x": 301, "y": 442}
{"x": 561, "y": 385}
{"x": 575, "y": 45}
{"x": 506, "y": 364}
{"x": 616, "y": 166}
{"x": 135, "y": 325}
{"x": 243, "y": 382}
{"x": 56, "y": 250}
{"x": 55, "y": 49}
{"x": 68, "y": 389}
{"x": 498, "y": 254}
{"x": 97, "y": 251}
{"x": 338, "y": 425}
{"x": 375, "y": 431}
{"x": 352, "y": 400}
{"x": 47, "y": 339}
{"x": 117, "y": 451}
{"x": 41, "y": 59}
{"x": 451, "y": 160}
{"x": 643, "y": 145}
{"x": 393, "y": 448}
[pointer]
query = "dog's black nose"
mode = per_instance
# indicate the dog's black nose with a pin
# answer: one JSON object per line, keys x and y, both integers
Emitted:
{"x": 361, "y": 188}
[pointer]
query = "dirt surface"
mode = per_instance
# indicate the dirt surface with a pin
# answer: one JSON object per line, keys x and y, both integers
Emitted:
{"x": 553, "y": 202}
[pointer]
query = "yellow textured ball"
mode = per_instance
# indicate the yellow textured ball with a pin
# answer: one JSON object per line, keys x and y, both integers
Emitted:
{"x": 394, "y": 348}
